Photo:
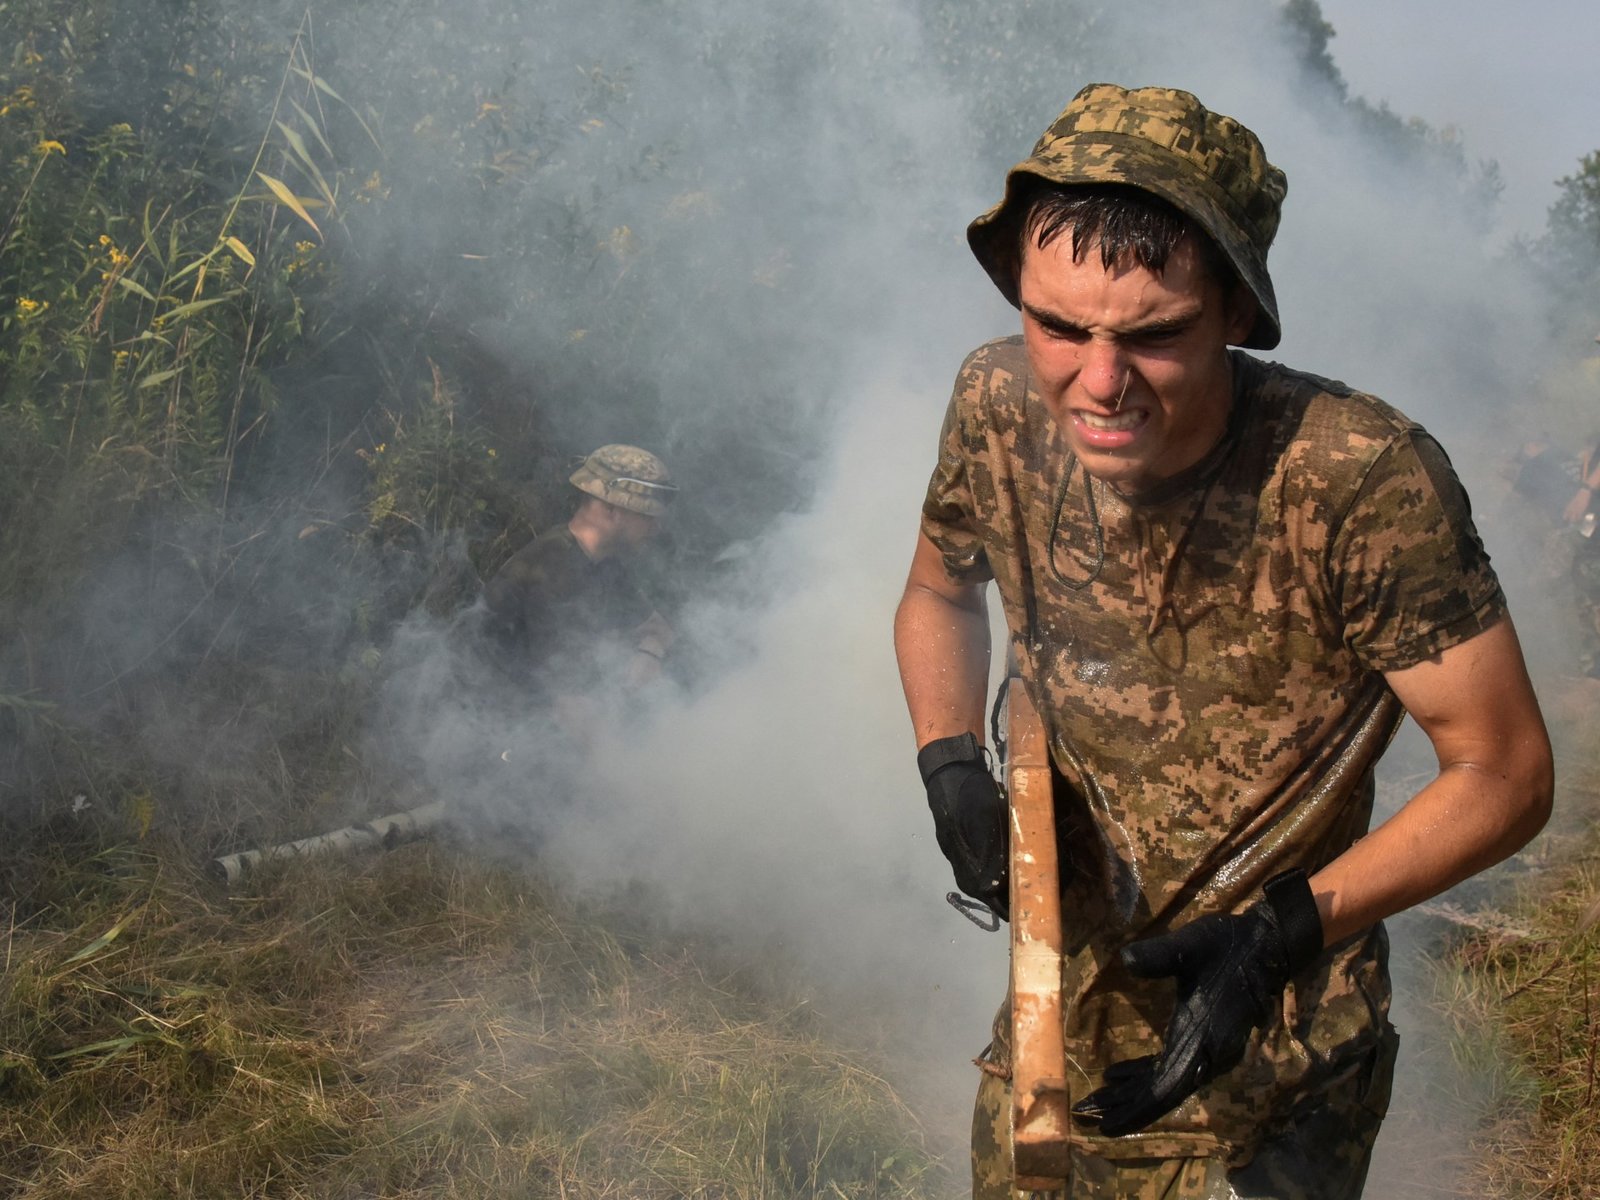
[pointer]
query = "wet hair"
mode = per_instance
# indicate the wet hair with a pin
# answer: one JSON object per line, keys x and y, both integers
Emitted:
{"x": 1126, "y": 221}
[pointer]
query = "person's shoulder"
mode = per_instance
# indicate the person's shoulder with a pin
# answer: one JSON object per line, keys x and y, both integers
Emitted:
{"x": 1321, "y": 419}
{"x": 995, "y": 374}
{"x": 552, "y": 556}
{"x": 1003, "y": 354}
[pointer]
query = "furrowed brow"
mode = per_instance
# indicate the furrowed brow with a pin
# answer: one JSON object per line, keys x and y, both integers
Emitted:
{"x": 1172, "y": 323}
{"x": 1053, "y": 321}
{"x": 1169, "y": 324}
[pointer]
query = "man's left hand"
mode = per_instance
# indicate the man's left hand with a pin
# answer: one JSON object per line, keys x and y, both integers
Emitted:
{"x": 1231, "y": 971}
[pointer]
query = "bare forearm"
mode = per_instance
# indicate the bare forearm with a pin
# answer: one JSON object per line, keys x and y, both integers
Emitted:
{"x": 1493, "y": 791}
{"x": 943, "y": 649}
{"x": 1469, "y": 818}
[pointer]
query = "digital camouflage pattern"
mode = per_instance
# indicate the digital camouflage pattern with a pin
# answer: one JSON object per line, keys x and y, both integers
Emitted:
{"x": 1321, "y": 1151}
{"x": 1207, "y": 661}
{"x": 628, "y": 477}
{"x": 1163, "y": 141}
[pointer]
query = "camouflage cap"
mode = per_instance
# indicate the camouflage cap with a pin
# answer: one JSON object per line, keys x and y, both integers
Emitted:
{"x": 628, "y": 477}
{"x": 1164, "y": 141}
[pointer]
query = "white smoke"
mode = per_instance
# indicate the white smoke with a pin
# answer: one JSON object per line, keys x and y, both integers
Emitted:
{"x": 784, "y": 803}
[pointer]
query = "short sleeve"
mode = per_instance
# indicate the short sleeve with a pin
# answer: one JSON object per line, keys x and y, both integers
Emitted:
{"x": 949, "y": 512}
{"x": 1408, "y": 569}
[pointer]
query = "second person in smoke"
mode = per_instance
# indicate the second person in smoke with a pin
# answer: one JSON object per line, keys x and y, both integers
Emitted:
{"x": 1226, "y": 582}
{"x": 566, "y": 605}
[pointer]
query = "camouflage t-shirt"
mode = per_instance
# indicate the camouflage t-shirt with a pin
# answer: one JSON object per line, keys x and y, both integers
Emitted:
{"x": 1208, "y": 660}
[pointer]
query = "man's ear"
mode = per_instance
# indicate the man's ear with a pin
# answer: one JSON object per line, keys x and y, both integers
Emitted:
{"x": 1241, "y": 309}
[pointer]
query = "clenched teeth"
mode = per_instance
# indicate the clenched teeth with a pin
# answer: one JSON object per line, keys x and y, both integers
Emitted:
{"x": 1116, "y": 422}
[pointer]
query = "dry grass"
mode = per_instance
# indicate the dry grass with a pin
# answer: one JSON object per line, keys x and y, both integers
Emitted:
{"x": 1525, "y": 1011}
{"x": 417, "y": 1024}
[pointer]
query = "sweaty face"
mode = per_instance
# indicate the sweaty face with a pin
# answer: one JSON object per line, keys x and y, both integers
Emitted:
{"x": 1132, "y": 365}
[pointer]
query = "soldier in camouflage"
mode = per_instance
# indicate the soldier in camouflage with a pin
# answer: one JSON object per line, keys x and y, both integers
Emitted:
{"x": 557, "y": 601}
{"x": 1225, "y": 583}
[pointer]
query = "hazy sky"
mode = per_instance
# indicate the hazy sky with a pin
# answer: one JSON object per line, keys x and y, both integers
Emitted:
{"x": 1521, "y": 82}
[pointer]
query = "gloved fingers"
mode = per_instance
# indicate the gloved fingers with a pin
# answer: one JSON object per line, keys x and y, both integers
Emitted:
{"x": 981, "y": 817}
{"x": 986, "y": 883}
{"x": 1139, "y": 1090}
{"x": 1123, "y": 1082}
{"x": 1135, "y": 1114}
{"x": 1229, "y": 970}
{"x": 980, "y": 832}
{"x": 1124, "y": 1103}
{"x": 1130, "y": 1070}
{"x": 1136, "y": 1093}
{"x": 969, "y": 817}
{"x": 1156, "y": 957}
{"x": 1187, "y": 950}
{"x": 1179, "y": 1075}
{"x": 974, "y": 874}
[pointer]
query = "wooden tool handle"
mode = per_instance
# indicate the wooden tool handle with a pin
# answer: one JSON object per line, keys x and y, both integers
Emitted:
{"x": 1040, "y": 1116}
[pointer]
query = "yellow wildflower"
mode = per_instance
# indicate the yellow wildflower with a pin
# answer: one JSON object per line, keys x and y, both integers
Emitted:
{"x": 21, "y": 98}
{"x": 46, "y": 148}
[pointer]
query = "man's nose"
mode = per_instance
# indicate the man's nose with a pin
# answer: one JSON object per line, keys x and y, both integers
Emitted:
{"x": 1104, "y": 373}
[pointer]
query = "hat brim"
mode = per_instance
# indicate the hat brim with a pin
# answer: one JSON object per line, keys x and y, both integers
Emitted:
{"x": 1108, "y": 157}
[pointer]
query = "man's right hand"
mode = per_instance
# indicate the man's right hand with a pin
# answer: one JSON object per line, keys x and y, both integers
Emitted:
{"x": 969, "y": 817}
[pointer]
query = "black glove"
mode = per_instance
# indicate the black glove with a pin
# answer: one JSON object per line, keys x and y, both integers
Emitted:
{"x": 1231, "y": 971}
{"x": 969, "y": 817}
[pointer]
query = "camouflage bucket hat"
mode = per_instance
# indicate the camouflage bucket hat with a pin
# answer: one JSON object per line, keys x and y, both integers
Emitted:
{"x": 1164, "y": 141}
{"x": 628, "y": 477}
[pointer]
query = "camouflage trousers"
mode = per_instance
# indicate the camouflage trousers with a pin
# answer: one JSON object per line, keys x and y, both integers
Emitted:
{"x": 1321, "y": 1152}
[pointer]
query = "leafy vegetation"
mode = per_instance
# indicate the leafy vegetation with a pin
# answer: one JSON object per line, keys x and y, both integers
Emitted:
{"x": 301, "y": 313}
{"x": 1428, "y": 159}
{"x": 295, "y": 340}
{"x": 1569, "y": 251}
